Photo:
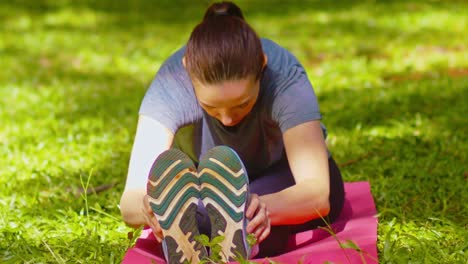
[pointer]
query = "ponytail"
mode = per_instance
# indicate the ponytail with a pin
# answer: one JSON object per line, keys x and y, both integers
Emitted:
{"x": 223, "y": 47}
{"x": 223, "y": 9}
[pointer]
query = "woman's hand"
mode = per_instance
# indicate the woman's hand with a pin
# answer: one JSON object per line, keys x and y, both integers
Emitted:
{"x": 151, "y": 220}
{"x": 257, "y": 214}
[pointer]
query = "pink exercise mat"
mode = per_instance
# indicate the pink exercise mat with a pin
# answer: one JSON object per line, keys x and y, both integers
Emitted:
{"x": 357, "y": 223}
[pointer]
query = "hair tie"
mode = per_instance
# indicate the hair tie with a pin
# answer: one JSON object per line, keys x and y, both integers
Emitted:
{"x": 222, "y": 13}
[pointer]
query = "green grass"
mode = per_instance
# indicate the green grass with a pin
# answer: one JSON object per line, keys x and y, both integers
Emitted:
{"x": 392, "y": 82}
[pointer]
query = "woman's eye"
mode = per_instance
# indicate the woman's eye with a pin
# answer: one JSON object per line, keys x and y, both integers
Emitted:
{"x": 243, "y": 105}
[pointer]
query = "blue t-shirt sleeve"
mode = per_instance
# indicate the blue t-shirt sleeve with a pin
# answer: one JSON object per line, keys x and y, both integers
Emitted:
{"x": 294, "y": 101}
{"x": 159, "y": 103}
{"x": 292, "y": 98}
{"x": 170, "y": 99}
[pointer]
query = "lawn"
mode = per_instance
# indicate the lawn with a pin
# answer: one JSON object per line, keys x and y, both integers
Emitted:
{"x": 392, "y": 83}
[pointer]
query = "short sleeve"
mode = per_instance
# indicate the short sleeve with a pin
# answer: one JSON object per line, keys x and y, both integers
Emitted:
{"x": 170, "y": 99}
{"x": 294, "y": 101}
{"x": 160, "y": 105}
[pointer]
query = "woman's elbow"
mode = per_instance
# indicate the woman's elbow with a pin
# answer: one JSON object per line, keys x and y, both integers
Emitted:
{"x": 128, "y": 210}
{"x": 324, "y": 208}
{"x": 124, "y": 210}
{"x": 323, "y": 203}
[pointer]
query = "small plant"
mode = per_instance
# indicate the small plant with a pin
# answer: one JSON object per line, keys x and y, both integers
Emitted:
{"x": 251, "y": 240}
{"x": 270, "y": 261}
{"x": 84, "y": 195}
{"x": 344, "y": 245}
{"x": 242, "y": 260}
{"x": 216, "y": 254}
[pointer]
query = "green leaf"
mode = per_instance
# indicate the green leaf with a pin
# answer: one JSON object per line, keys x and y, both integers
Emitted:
{"x": 203, "y": 239}
{"x": 251, "y": 240}
{"x": 217, "y": 240}
{"x": 270, "y": 261}
{"x": 350, "y": 244}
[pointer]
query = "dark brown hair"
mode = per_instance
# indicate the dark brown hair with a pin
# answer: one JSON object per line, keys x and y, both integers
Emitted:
{"x": 223, "y": 47}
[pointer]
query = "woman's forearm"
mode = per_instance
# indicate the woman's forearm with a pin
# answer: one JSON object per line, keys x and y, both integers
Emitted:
{"x": 132, "y": 207}
{"x": 299, "y": 203}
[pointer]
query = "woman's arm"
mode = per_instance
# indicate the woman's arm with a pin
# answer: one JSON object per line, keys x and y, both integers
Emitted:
{"x": 151, "y": 139}
{"x": 308, "y": 159}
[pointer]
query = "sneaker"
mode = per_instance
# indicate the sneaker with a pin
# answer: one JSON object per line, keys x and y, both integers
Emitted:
{"x": 173, "y": 190}
{"x": 225, "y": 191}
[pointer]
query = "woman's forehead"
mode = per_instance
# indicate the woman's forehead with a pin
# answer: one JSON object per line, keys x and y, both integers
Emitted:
{"x": 227, "y": 92}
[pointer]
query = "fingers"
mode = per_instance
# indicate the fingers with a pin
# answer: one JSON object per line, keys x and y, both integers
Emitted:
{"x": 259, "y": 224}
{"x": 146, "y": 204}
{"x": 151, "y": 220}
{"x": 263, "y": 235}
{"x": 253, "y": 206}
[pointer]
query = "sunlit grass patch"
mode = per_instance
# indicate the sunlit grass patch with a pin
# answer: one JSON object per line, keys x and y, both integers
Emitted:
{"x": 428, "y": 241}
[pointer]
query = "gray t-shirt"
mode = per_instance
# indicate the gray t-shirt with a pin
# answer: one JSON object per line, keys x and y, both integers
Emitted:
{"x": 286, "y": 99}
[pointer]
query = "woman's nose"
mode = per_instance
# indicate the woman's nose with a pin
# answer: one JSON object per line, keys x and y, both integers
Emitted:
{"x": 227, "y": 120}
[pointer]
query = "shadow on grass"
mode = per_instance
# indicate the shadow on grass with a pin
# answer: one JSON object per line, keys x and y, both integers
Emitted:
{"x": 142, "y": 16}
{"x": 172, "y": 11}
{"x": 430, "y": 98}
{"x": 416, "y": 163}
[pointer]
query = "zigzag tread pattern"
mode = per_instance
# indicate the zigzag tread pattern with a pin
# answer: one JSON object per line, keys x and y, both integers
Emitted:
{"x": 221, "y": 195}
{"x": 237, "y": 214}
{"x": 223, "y": 180}
{"x": 172, "y": 185}
{"x": 190, "y": 196}
{"x": 167, "y": 196}
{"x": 237, "y": 197}
{"x": 211, "y": 172}
{"x": 162, "y": 184}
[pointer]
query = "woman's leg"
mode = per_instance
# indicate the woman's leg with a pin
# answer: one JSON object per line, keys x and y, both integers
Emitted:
{"x": 279, "y": 177}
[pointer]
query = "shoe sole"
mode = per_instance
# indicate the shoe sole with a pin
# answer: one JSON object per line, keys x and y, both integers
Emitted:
{"x": 173, "y": 190}
{"x": 224, "y": 192}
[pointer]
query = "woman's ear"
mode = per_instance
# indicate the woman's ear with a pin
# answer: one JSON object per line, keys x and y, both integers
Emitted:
{"x": 183, "y": 61}
{"x": 265, "y": 60}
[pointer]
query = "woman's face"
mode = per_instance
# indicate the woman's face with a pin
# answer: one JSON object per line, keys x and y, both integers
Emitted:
{"x": 229, "y": 101}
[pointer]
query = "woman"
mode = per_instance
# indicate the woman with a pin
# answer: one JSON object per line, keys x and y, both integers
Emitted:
{"x": 227, "y": 87}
